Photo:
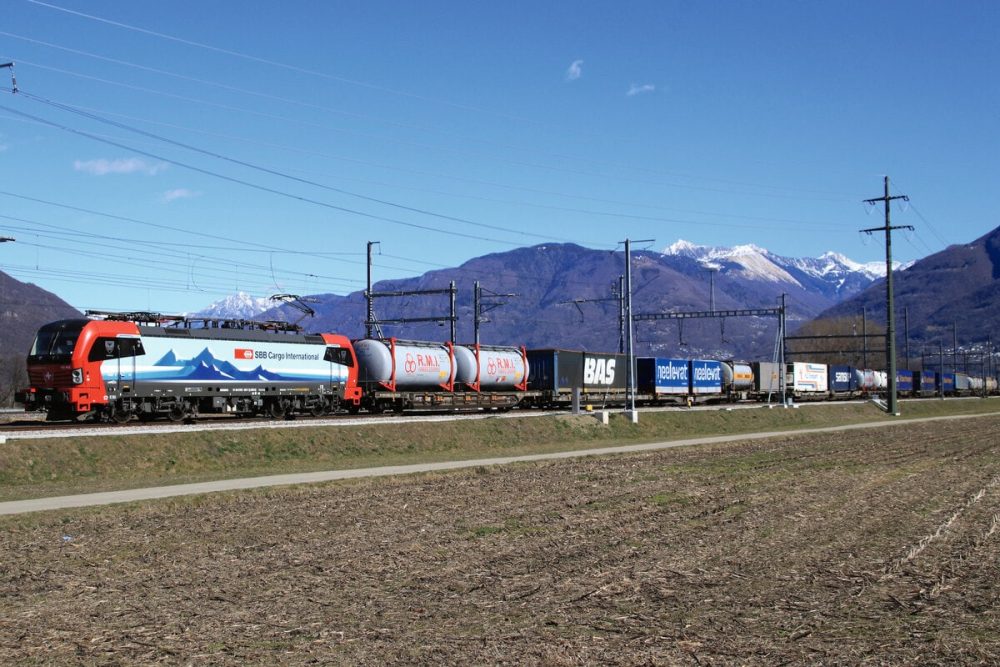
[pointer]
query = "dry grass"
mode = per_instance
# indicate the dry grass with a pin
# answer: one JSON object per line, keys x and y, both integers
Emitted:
{"x": 875, "y": 547}
{"x": 35, "y": 468}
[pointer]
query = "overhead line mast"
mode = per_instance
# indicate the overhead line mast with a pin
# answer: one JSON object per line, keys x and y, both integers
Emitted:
{"x": 890, "y": 331}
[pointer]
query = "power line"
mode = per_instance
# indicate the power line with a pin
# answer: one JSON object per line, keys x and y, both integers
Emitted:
{"x": 618, "y": 215}
{"x": 286, "y": 100}
{"x": 256, "y": 186}
{"x": 275, "y": 172}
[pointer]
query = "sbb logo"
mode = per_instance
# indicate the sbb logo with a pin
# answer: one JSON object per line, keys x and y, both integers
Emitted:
{"x": 242, "y": 353}
{"x": 598, "y": 371}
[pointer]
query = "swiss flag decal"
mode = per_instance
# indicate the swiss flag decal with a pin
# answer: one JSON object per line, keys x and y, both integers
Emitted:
{"x": 242, "y": 353}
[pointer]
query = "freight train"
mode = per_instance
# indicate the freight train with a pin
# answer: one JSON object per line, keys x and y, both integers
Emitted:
{"x": 148, "y": 366}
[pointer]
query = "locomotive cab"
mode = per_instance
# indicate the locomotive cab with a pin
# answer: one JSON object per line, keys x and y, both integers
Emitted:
{"x": 64, "y": 367}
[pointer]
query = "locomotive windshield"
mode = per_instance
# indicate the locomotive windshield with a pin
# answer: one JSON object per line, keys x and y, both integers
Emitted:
{"x": 56, "y": 341}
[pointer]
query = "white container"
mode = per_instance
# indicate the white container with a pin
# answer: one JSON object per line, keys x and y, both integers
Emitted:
{"x": 404, "y": 364}
{"x": 490, "y": 367}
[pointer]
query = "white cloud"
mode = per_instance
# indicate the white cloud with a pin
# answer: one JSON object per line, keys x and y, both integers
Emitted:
{"x": 575, "y": 70}
{"x": 130, "y": 165}
{"x": 179, "y": 193}
{"x": 637, "y": 89}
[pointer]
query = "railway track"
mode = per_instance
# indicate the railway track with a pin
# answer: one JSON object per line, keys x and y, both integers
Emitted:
{"x": 27, "y": 429}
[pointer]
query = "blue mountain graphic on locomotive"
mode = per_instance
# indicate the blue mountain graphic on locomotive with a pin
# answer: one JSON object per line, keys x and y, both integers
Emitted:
{"x": 203, "y": 366}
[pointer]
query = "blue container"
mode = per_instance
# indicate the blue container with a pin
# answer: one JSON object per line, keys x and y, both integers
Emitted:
{"x": 948, "y": 383}
{"x": 928, "y": 382}
{"x": 904, "y": 380}
{"x": 663, "y": 376}
{"x": 706, "y": 376}
{"x": 843, "y": 379}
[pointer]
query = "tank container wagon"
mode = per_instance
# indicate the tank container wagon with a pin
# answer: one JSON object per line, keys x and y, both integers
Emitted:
{"x": 147, "y": 365}
{"x": 737, "y": 380}
{"x": 400, "y": 375}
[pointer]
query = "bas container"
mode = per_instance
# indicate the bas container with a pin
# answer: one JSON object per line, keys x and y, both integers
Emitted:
{"x": 600, "y": 377}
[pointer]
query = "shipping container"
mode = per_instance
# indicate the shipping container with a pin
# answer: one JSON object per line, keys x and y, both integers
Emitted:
{"x": 948, "y": 383}
{"x": 561, "y": 370}
{"x": 706, "y": 377}
{"x": 904, "y": 381}
{"x": 808, "y": 378}
{"x": 928, "y": 382}
{"x": 663, "y": 376}
{"x": 866, "y": 379}
{"x": 843, "y": 380}
{"x": 766, "y": 377}
{"x": 736, "y": 376}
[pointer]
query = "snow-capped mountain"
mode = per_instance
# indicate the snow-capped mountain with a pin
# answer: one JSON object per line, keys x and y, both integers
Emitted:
{"x": 839, "y": 273}
{"x": 239, "y": 306}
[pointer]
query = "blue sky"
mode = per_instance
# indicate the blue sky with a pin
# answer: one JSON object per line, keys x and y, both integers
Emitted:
{"x": 163, "y": 155}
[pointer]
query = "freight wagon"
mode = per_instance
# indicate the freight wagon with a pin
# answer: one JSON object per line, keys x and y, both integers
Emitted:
{"x": 396, "y": 375}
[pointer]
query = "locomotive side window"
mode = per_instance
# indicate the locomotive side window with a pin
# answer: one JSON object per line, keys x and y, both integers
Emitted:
{"x": 339, "y": 355}
{"x": 113, "y": 348}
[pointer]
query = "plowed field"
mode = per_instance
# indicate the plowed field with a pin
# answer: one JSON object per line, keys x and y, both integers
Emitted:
{"x": 876, "y": 546}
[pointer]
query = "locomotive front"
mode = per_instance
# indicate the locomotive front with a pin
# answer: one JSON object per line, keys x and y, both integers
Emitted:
{"x": 64, "y": 366}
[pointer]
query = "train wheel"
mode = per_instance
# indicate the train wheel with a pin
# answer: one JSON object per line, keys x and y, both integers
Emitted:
{"x": 276, "y": 409}
{"x": 320, "y": 408}
{"x": 176, "y": 413}
{"x": 120, "y": 415}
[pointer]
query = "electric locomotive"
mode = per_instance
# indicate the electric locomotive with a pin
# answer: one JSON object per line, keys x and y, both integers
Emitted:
{"x": 147, "y": 365}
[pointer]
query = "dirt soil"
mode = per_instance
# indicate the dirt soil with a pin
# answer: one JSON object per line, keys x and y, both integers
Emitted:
{"x": 868, "y": 547}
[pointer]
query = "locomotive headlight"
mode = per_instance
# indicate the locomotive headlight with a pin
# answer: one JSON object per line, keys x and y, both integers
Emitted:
{"x": 77, "y": 376}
